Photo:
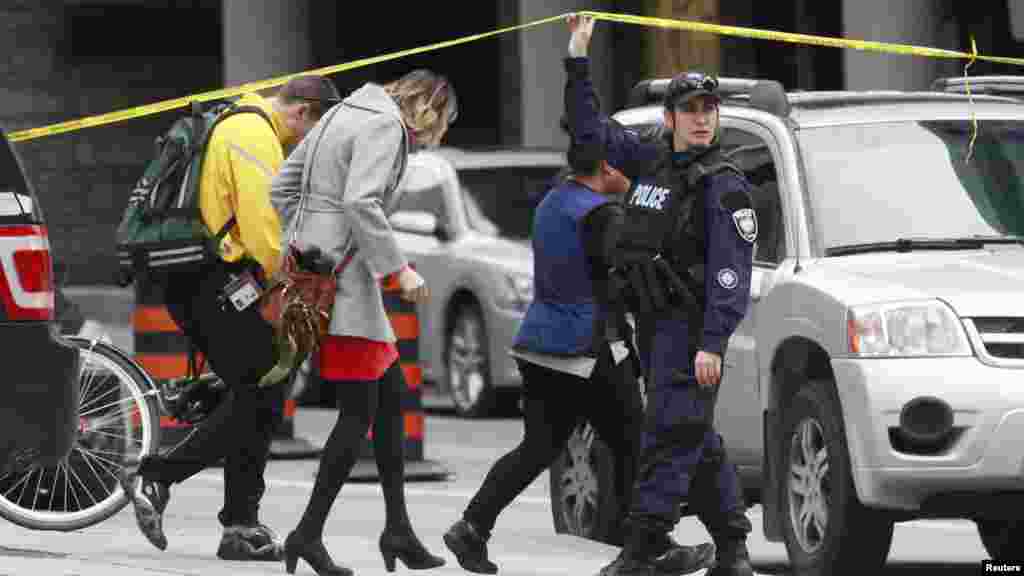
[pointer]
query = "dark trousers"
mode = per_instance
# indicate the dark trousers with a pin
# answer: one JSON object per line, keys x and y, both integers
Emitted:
{"x": 683, "y": 457}
{"x": 555, "y": 403}
{"x": 239, "y": 348}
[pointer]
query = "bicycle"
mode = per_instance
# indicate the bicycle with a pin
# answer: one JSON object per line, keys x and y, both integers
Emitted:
{"x": 119, "y": 423}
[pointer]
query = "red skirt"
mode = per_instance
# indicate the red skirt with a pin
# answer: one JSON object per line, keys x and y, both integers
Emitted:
{"x": 354, "y": 358}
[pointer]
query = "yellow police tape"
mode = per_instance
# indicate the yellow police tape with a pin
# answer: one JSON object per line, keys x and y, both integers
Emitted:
{"x": 754, "y": 33}
{"x": 165, "y": 105}
{"x": 828, "y": 41}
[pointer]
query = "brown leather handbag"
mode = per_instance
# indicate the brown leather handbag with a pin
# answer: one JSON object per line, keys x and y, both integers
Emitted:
{"x": 300, "y": 302}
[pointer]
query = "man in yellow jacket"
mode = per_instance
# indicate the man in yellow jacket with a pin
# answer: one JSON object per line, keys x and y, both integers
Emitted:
{"x": 245, "y": 151}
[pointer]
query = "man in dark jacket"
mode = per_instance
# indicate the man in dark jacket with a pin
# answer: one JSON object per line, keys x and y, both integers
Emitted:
{"x": 572, "y": 348}
{"x": 683, "y": 266}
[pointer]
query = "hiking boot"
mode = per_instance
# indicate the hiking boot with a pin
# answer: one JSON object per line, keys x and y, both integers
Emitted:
{"x": 249, "y": 543}
{"x": 149, "y": 498}
{"x": 675, "y": 561}
{"x": 651, "y": 551}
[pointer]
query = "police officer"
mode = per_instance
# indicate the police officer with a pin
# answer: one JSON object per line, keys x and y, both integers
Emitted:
{"x": 684, "y": 268}
{"x": 572, "y": 349}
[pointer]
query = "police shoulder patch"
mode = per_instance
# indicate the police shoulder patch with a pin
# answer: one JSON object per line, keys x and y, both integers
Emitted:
{"x": 727, "y": 278}
{"x": 746, "y": 224}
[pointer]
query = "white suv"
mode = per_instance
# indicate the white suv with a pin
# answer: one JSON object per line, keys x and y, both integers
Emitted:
{"x": 879, "y": 373}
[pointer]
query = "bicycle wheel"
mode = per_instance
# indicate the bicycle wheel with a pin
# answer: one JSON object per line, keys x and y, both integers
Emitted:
{"x": 118, "y": 424}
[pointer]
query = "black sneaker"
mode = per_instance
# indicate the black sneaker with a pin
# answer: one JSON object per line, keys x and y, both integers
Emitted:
{"x": 676, "y": 561}
{"x": 249, "y": 543}
{"x": 149, "y": 498}
{"x": 469, "y": 548}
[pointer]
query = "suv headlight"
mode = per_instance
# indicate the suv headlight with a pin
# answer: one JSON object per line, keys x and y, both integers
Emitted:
{"x": 516, "y": 291}
{"x": 901, "y": 329}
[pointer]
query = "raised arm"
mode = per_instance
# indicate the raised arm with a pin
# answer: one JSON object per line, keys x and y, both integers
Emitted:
{"x": 583, "y": 108}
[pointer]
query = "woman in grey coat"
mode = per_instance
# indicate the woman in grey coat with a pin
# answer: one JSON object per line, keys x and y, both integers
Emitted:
{"x": 334, "y": 193}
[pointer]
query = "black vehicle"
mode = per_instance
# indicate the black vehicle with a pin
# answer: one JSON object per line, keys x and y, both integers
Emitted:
{"x": 76, "y": 411}
{"x": 39, "y": 414}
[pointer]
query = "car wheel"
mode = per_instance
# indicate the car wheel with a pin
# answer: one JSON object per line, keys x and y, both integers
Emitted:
{"x": 825, "y": 528}
{"x": 468, "y": 364}
{"x": 1001, "y": 537}
{"x": 582, "y": 491}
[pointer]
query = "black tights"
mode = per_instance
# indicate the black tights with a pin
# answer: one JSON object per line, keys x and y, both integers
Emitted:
{"x": 359, "y": 404}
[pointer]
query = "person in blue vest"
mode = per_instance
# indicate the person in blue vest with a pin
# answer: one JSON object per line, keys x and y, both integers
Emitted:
{"x": 683, "y": 266}
{"x": 572, "y": 349}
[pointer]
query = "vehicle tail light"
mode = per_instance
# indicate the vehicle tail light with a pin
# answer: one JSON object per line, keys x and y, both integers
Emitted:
{"x": 26, "y": 266}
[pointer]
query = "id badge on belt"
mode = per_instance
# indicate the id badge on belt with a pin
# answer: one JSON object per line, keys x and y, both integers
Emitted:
{"x": 242, "y": 291}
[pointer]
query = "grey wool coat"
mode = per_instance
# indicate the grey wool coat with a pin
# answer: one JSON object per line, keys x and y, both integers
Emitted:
{"x": 350, "y": 165}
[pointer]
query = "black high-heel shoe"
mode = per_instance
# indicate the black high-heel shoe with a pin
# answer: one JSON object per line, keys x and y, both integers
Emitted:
{"x": 405, "y": 546}
{"x": 314, "y": 553}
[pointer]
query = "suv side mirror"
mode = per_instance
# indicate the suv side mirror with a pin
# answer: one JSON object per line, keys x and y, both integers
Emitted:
{"x": 415, "y": 222}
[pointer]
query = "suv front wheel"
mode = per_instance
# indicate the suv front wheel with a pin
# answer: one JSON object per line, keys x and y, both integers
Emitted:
{"x": 826, "y": 529}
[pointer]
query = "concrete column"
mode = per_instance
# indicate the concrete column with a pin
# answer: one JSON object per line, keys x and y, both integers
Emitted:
{"x": 542, "y": 49}
{"x": 673, "y": 51}
{"x": 905, "y": 22}
{"x": 265, "y": 38}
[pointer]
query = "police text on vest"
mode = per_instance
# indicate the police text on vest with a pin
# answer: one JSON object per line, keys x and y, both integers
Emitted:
{"x": 649, "y": 196}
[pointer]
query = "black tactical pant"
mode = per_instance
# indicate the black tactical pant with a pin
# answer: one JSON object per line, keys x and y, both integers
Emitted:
{"x": 683, "y": 458}
{"x": 239, "y": 347}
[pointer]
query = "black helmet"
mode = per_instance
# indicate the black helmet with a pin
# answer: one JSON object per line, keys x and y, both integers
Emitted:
{"x": 689, "y": 85}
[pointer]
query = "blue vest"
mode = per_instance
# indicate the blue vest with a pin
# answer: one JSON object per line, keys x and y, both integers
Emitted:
{"x": 560, "y": 319}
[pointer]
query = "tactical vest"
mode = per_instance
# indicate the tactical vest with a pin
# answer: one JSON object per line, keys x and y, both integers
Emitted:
{"x": 661, "y": 253}
{"x": 561, "y": 318}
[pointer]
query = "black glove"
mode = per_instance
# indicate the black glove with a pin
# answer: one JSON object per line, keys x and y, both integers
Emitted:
{"x": 196, "y": 398}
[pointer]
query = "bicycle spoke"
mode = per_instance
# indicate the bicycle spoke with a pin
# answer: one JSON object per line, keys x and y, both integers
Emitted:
{"x": 102, "y": 461}
{"x": 97, "y": 399}
{"x": 53, "y": 489}
{"x": 39, "y": 484}
{"x": 89, "y": 377}
{"x": 23, "y": 483}
{"x": 128, "y": 400}
{"x": 82, "y": 484}
{"x": 108, "y": 434}
{"x": 96, "y": 465}
{"x": 68, "y": 486}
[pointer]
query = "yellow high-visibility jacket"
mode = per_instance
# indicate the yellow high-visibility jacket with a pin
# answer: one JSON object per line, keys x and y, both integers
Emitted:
{"x": 243, "y": 155}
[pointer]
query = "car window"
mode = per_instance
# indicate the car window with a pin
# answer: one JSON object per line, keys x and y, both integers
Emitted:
{"x": 506, "y": 197}
{"x": 17, "y": 199}
{"x": 751, "y": 154}
{"x": 882, "y": 182}
{"x": 423, "y": 190}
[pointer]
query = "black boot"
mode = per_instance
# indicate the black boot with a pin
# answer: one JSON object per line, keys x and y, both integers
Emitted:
{"x": 401, "y": 543}
{"x": 731, "y": 558}
{"x": 649, "y": 551}
{"x": 469, "y": 548}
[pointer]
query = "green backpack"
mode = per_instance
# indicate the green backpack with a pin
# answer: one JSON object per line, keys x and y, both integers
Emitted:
{"x": 161, "y": 230}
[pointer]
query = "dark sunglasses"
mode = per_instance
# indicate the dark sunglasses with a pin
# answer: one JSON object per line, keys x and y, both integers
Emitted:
{"x": 698, "y": 81}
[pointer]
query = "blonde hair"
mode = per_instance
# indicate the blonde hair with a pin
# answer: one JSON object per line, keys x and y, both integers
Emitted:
{"x": 426, "y": 100}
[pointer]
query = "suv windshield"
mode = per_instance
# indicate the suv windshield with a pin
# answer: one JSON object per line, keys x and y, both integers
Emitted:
{"x": 885, "y": 182}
